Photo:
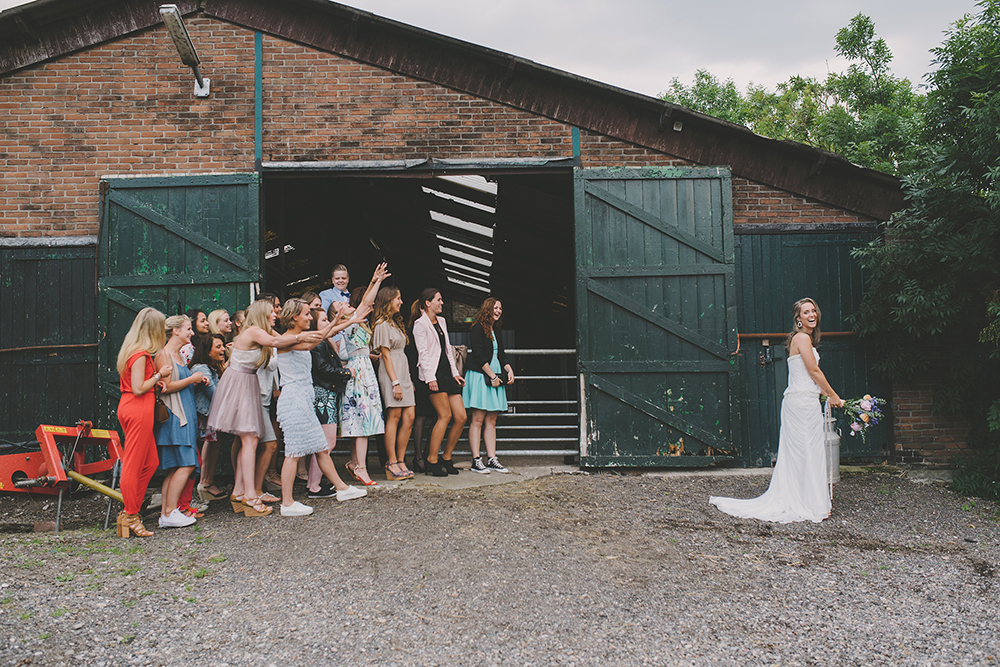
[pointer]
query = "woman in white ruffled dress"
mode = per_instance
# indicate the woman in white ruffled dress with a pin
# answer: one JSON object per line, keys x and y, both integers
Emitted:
{"x": 798, "y": 489}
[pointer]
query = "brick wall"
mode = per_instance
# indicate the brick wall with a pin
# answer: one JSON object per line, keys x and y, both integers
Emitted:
{"x": 125, "y": 107}
{"x": 920, "y": 435}
{"x": 320, "y": 106}
{"x": 752, "y": 202}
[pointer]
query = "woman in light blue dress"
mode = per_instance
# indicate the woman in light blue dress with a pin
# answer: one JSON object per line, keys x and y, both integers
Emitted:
{"x": 303, "y": 434}
{"x": 177, "y": 438}
{"x": 486, "y": 377}
{"x": 361, "y": 408}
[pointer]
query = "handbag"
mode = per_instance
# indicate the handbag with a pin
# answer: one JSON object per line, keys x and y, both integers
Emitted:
{"x": 161, "y": 412}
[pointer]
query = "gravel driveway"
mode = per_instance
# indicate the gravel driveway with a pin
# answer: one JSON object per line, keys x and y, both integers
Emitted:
{"x": 600, "y": 569}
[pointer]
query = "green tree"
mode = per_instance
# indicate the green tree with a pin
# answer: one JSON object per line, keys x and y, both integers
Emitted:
{"x": 866, "y": 114}
{"x": 935, "y": 276}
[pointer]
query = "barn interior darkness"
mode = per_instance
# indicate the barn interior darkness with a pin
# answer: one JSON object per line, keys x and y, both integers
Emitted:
{"x": 508, "y": 235}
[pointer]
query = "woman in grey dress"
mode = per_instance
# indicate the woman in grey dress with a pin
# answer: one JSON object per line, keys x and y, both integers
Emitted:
{"x": 390, "y": 340}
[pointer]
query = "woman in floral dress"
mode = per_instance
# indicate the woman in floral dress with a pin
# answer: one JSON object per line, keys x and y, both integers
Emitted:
{"x": 361, "y": 410}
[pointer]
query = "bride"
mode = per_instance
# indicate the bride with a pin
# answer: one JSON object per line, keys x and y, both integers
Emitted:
{"x": 798, "y": 490}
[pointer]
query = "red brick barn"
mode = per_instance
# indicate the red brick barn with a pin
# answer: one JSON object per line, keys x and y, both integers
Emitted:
{"x": 652, "y": 251}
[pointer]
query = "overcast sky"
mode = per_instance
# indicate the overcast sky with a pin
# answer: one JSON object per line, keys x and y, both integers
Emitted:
{"x": 642, "y": 44}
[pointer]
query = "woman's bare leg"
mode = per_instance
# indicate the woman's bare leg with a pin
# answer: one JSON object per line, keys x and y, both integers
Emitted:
{"x": 443, "y": 408}
{"x": 458, "y": 414}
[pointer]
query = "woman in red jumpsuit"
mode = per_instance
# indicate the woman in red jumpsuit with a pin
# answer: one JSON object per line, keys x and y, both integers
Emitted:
{"x": 135, "y": 413}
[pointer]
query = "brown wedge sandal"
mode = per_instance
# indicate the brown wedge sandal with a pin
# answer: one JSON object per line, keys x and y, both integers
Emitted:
{"x": 255, "y": 507}
{"x": 132, "y": 523}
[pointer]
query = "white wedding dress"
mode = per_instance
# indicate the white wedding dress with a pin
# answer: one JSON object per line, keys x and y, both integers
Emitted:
{"x": 798, "y": 490}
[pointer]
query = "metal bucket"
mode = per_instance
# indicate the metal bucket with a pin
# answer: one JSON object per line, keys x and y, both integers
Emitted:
{"x": 832, "y": 442}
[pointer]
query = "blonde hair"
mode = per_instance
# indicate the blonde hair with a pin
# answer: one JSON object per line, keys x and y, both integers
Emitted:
{"x": 291, "y": 310}
{"x": 383, "y": 308}
{"x": 174, "y": 322}
{"x": 147, "y": 333}
{"x": 258, "y": 315}
{"x": 796, "y": 309}
{"x": 213, "y": 320}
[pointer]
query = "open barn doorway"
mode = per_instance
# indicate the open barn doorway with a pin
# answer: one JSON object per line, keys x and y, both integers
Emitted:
{"x": 507, "y": 234}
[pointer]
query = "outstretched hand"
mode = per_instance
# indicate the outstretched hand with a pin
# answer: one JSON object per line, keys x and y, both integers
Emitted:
{"x": 381, "y": 273}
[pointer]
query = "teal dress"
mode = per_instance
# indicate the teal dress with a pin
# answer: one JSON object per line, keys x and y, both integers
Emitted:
{"x": 478, "y": 394}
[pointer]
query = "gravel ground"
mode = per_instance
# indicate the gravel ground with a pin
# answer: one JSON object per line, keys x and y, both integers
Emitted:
{"x": 599, "y": 569}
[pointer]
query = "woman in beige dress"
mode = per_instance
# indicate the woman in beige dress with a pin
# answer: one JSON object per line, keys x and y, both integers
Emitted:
{"x": 390, "y": 340}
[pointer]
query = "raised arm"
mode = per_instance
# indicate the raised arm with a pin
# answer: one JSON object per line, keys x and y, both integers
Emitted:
{"x": 377, "y": 278}
{"x": 332, "y": 328}
{"x": 264, "y": 339}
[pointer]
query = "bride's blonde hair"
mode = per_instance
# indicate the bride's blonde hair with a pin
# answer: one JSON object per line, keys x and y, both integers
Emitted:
{"x": 796, "y": 309}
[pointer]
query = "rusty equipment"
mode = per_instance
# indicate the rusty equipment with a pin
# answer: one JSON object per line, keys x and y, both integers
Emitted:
{"x": 63, "y": 457}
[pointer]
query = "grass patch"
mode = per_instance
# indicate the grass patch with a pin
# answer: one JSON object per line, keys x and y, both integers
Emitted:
{"x": 65, "y": 576}
{"x": 217, "y": 559}
{"x": 62, "y": 611}
{"x": 200, "y": 573}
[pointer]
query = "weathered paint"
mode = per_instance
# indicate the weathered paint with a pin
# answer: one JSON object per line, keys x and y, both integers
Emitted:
{"x": 171, "y": 243}
{"x": 774, "y": 271}
{"x": 654, "y": 347}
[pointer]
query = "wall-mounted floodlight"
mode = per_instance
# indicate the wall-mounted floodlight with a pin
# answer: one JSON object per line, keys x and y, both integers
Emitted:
{"x": 185, "y": 47}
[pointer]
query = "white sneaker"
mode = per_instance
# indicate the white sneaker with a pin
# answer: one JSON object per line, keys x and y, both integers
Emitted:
{"x": 296, "y": 509}
{"x": 176, "y": 519}
{"x": 350, "y": 493}
{"x": 198, "y": 506}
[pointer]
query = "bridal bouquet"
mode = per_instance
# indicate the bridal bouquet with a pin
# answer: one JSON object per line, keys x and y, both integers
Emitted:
{"x": 863, "y": 413}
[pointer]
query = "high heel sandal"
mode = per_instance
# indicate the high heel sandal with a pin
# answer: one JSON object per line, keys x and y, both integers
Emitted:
{"x": 207, "y": 495}
{"x": 131, "y": 523}
{"x": 254, "y": 507}
{"x": 237, "y": 503}
{"x": 400, "y": 471}
{"x": 354, "y": 474}
{"x": 391, "y": 474}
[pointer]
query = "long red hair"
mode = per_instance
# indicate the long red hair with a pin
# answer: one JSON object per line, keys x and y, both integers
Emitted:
{"x": 484, "y": 317}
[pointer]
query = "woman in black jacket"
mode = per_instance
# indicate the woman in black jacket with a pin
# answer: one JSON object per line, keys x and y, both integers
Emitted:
{"x": 485, "y": 394}
{"x": 329, "y": 378}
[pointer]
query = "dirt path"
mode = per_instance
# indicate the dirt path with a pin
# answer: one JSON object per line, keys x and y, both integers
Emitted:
{"x": 569, "y": 570}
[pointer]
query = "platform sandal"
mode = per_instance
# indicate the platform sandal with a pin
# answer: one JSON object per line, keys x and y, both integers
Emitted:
{"x": 254, "y": 507}
{"x": 392, "y": 474}
{"x": 237, "y": 503}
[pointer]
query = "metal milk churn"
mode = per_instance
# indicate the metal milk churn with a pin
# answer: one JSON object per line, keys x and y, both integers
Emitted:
{"x": 831, "y": 439}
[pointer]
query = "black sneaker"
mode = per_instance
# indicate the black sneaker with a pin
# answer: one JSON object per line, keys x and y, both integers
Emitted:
{"x": 494, "y": 464}
{"x": 448, "y": 466}
{"x": 477, "y": 466}
{"x": 326, "y": 490}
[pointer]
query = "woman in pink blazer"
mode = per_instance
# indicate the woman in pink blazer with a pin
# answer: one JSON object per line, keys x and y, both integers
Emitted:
{"x": 436, "y": 367}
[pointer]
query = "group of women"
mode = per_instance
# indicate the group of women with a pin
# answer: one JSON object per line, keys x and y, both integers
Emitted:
{"x": 216, "y": 375}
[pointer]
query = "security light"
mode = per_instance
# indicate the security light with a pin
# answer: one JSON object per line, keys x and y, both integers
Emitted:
{"x": 185, "y": 47}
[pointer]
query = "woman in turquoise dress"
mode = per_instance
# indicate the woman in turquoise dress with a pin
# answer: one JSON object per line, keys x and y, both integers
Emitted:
{"x": 486, "y": 376}
{"x": 361, "y": 408}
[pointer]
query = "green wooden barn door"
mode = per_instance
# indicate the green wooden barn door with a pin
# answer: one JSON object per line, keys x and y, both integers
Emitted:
{"x": 656, "y": 316}
{"x": 774, "y": 271}
{"x": 172, "y": 244}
